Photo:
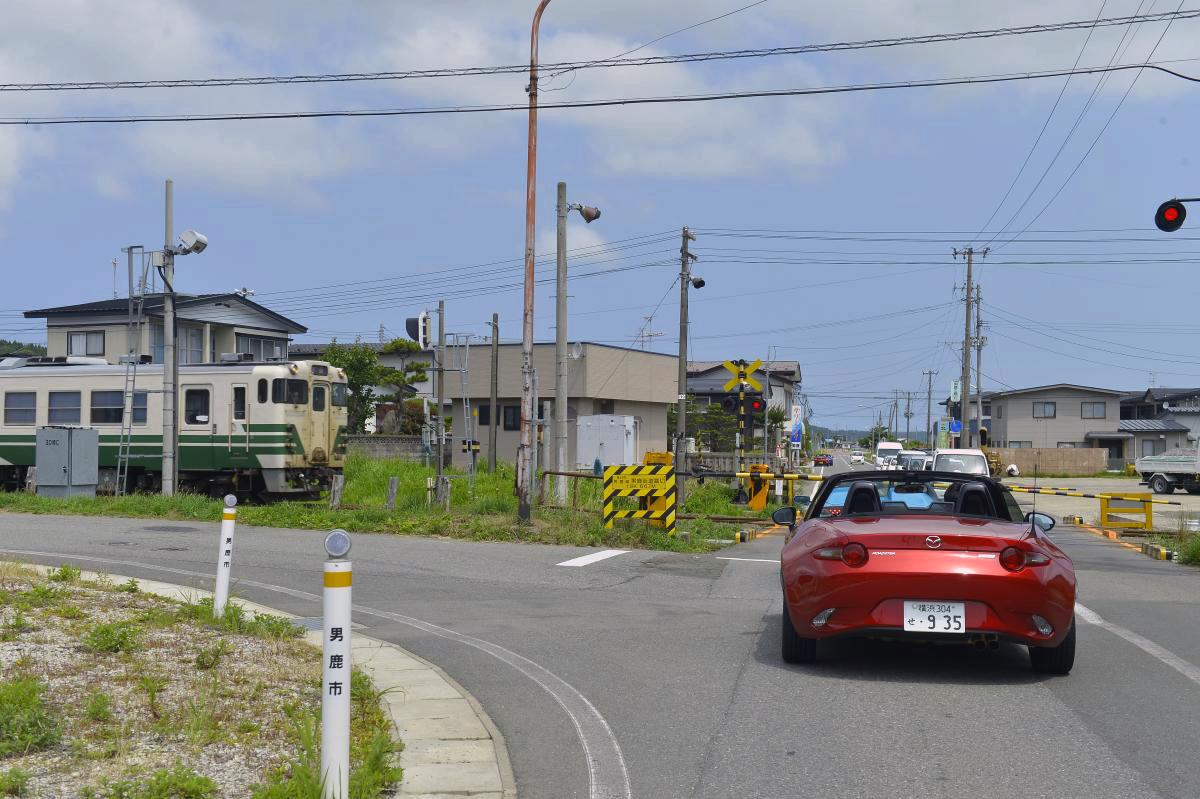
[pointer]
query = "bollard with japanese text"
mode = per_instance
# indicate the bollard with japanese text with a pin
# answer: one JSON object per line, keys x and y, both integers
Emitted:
{"x": 225, "y": 555}
{"x": 335, "y": 686}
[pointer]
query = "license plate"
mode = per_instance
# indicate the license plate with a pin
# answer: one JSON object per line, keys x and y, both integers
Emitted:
{"x": 935, "y": 617}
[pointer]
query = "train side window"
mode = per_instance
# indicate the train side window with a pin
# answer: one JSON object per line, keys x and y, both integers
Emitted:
{"x": 139, "y": 407}
{"x": 64, "y": 407}
{"x": 318, "y": 398}
{"x": 108, "y": 407}
{"x": 262, "y": 391}
{"x": 239, "y": 402}
{"x": 20, "y": 407}
{"x": 195, "y": 406}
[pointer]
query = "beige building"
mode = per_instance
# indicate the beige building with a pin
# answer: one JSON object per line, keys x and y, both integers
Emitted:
{"x": 208, "y": 325}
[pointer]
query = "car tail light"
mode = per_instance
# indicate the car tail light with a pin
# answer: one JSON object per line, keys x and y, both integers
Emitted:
{"x": 1012, "y": 559}
{"x": 854, "y": 555}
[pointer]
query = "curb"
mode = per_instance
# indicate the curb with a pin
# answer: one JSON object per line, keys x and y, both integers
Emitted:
{"x": 1159, "y": 552}
{"x": 451, "y": 746}
{"x": 1150, "y": 550}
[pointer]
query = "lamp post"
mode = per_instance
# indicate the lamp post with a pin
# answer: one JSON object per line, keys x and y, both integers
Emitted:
{"x": 525, "y": 450}
{"x": 589, "y": 215}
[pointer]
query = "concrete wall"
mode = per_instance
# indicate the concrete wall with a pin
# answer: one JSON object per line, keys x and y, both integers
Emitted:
{"x": 1053, "y": 461}
{"x": 1015, "y": 420}
{"x": 407, "y": 448}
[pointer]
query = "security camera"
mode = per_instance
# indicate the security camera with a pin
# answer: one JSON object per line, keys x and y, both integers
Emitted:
{"x": 191, "y": 241}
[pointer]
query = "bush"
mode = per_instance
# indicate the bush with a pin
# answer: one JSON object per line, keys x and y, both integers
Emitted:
{"x": 14, "y": 782}
{"x": 117, "y": 636}
{"x": 99, "y": 707}
{"x": 65, "y": 574}
{"x": 26, "y": 724}
{"x": 1189, "y": 551}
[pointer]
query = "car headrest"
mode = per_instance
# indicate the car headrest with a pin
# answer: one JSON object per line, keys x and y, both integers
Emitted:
{"x": 862, "y": 498}
{"x": 974, "y": 500}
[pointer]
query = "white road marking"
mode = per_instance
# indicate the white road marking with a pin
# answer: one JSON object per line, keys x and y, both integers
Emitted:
{"x": 585, "y": 560}
{"x": 1146, "y": 645}
{"x": 754, "y": 560}
{"x": 608, "y": 776}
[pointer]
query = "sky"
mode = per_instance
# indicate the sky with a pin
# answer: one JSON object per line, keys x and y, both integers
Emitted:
{"x": 825, "y": 225}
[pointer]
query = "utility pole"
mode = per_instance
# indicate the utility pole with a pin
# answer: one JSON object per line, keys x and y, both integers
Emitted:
{"x": 560, "y": 350}
{"x": 170, "y": 469}
{"x": 964, "y": 398}
{"x": 494, "y": 408}
{"x": 440, "y": 429}
{"x": 685, "y": 280}
{"x": 980, "y": 341}
{"x": 908, "y": 415}
{"x": 929, "y": 374}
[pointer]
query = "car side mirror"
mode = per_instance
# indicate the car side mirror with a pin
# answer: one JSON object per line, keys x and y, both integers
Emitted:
{"x": 1044, "y": 521}
{"x": 785, "y": 516}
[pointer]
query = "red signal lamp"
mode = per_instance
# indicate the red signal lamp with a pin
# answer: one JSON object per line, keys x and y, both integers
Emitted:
{"x": 1170, "y": 215}
{"x": 754, "y": 405}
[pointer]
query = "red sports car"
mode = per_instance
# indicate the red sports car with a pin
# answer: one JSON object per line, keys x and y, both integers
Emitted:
{"x": 925, "y": 555}
{"x": 824, "y": 459}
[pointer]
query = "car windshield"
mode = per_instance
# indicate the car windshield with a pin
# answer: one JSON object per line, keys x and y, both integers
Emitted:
{"x": 928, "y": 493}
{"x": 965, "y": 463}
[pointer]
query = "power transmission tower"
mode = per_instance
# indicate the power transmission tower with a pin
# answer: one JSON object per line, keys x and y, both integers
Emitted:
{"x": 965, "y": 393}
{"x": 929, "y": 375}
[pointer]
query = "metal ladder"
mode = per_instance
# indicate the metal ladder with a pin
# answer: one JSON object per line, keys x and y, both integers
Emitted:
{"x": 125, "y": 445}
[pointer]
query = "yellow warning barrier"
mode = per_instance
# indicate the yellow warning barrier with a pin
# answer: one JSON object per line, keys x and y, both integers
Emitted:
{"x": 1115, "y": 510}
{"x": 655, "y": 482}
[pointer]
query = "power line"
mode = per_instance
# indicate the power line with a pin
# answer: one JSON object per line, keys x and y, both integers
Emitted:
{"x": 563, "y": 66}
{"x": 601, "y": 103}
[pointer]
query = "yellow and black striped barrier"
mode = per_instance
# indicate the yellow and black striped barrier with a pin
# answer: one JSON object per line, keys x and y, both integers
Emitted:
{"x": 772, "y": 476}
{"x": 1068, "y": 493}
{"x": 654, "y": 482}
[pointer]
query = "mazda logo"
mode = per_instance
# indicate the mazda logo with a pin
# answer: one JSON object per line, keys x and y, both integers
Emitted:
{"x": 933, "y": 541}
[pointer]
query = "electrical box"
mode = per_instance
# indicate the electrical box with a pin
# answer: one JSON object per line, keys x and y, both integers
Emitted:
{"x": 612, "y": 439}
{"x": 67, "y": 461}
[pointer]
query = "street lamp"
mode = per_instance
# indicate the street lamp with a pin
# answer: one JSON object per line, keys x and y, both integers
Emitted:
{"x": 525, "y": 451}
{"x": 589, "y": 214}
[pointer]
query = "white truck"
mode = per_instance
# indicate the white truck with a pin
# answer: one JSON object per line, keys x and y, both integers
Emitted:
{"x": 1169, "y": 471}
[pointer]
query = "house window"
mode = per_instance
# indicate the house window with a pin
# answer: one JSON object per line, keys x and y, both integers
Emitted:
{"x": 64, "y": 407}
{"x": 1045, "y": 410}
{"x": 485, "y": 414}
{"x": 1092, "y": 410}
{"x": 289, "y": 391}
{"x": 512, "y": 417}
{"x": 1072, "y": 445}
{"x": 86, "y": 343}
{"x": 1153, "y": 446}
{"x": 239, "y": 402}
{"x": 191, "y": 345}
{"x": 195, "y": 406}
{"x": 20, "y": 407}
{"x": 156, "y": 343}
{"x": 262, "y": 390}
{"x": 108, "y": 407}
{"x": 1021, "y": 444}
{"x": 261, "y": 348}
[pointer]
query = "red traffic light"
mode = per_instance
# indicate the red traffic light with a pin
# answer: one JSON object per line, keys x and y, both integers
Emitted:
{"x": 754, "y": 405}
{"x": 1169, "y": 216}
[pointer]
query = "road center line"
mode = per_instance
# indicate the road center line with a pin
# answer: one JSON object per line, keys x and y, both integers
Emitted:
{"x": 608, "y": 776}
{"x": 753, "y": 560}
{"x": 585, "y": 560}
{"x": 1146, "y": 645}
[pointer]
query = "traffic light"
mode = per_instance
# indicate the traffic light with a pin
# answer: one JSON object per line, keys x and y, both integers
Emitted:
{"x": 1170, "y": 215}
{"x": 729, "y": 403}
{"x": 755, "y": 408}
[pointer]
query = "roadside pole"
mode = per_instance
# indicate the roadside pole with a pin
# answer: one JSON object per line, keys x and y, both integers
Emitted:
{"x": 493, "y": 408}
{"x": 225, "y": 556}
{"x": 440, "y": 428}
{"x": 929, "y": 373}
{"x": 170, "y": 371}
{"x": 964, "y": 395}
{"x": 560, "y": 349}
{"x": 335, "y": 685}
{"x": 685, "y": 280}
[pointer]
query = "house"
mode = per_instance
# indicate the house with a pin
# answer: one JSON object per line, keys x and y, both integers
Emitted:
{"x": 779, "y": 379}
{"x": 601, "y": 379}
{"x": 207, "y": 325}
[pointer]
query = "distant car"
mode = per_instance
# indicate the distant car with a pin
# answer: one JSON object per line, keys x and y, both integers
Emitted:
{"x": 856, "y": 456}
{"x": 913, "y": 460}
{"x": 823, "y": 459}
{"x": 892, "y": 555}
{"x": 965, "y": 461}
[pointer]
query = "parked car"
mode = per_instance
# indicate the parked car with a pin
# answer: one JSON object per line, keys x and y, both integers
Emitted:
{"x": 893, "y": 555}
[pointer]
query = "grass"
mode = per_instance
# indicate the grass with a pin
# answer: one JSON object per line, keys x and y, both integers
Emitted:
{"x": 14, "y": 782}
{"x": 179, "y": 782}
{"x": 26, "y": 723}
{"x": 488, "y": 513}
{"x": 113, "y": 637}
{"x": 99, "y": 707}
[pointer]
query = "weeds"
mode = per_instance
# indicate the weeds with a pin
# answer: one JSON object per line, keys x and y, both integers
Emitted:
{"x": 130, "y": 586}
{"x": 179, "y": 782}
{"x": 210, "y": 657}
{"x": 1189, "y": 551}
{"x": 65, "y": 574}
{"x": 41, "y": 595}
{"x": 153, "y": 685}
{"x": 15, "y": 626}
{"x": 26, "y": 724}
{"x": 112, "y": 637}
{"x": 99, "y": 707}
{"x": 14, "y": 782}
{"x": 235, "y": 620}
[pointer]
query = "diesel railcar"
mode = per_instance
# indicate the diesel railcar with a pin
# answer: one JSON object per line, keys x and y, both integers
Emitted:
{"x": 270, "y": 429}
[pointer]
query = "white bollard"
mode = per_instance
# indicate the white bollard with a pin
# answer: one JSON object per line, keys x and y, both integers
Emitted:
{"x": 335, "y": 687}
{"x": 225, "y": 555}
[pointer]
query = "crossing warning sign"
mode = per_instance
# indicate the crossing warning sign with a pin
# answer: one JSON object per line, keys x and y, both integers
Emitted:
{"x": 742, "y": 373}
{"x": 656, "y": 481}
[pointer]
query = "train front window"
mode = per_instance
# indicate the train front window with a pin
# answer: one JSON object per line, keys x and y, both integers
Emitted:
{"x": 318, "y": 398}
{"x": 287, "y": 391}
{"x": 341, "y": 395}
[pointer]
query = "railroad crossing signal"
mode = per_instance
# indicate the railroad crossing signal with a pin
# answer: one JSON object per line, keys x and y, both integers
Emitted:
{"x": 742, "y": 373}
{"x": 1170, "y": 215}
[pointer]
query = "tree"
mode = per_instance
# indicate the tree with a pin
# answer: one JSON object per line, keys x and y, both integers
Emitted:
{"x": 364, "y": 372}
{"x": 8, "y": 347}
{"x": 776, "y": 418}
{"x": 408, "y": 373}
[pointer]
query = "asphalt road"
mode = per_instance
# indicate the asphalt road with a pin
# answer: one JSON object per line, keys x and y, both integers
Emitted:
{"x": 666, "y": 667}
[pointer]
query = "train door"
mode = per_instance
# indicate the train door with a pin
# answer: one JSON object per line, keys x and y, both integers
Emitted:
{"x": 320, "y": 422}
{"x": 238, "y": 439}
{"x": 197, "y": 433}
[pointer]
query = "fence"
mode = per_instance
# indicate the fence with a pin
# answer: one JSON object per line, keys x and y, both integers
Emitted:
{"x": 728, "y": 461}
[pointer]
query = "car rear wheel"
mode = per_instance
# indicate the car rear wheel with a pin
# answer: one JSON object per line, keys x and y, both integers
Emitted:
{"x": 1054, "y": 659}
{"x": 794, "y": 648}
{"x": 1161, "y": 485}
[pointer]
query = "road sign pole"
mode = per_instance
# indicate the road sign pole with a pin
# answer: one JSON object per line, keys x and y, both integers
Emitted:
{"x": 335, "y": 685}
{"x": 225, "y": 556}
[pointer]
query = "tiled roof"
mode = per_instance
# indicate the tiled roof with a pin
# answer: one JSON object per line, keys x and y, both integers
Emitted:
{"x": 1152, "y": 426}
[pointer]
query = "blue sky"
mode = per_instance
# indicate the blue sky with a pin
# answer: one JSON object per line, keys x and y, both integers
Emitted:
{"x": 349, "y": 224}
